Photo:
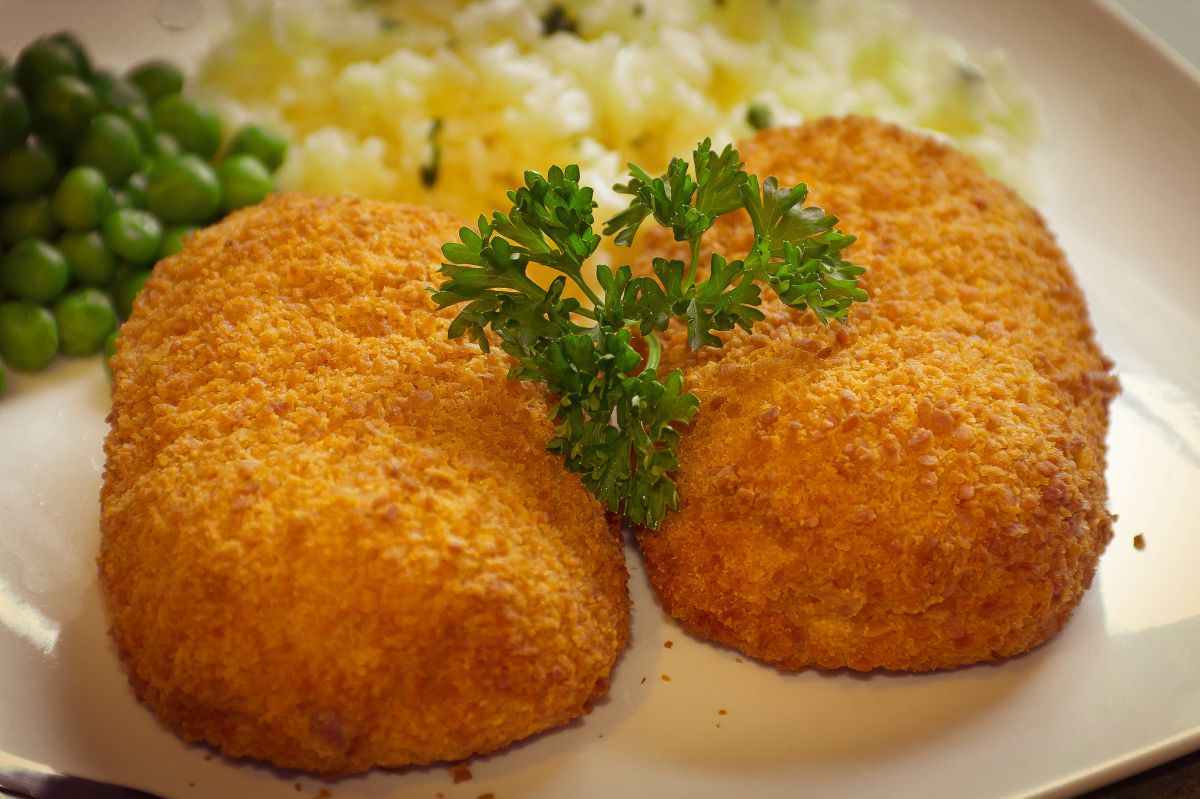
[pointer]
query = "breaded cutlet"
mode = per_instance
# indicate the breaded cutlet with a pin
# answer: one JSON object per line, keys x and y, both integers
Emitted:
{"x": 922, "y": 488}
{"x": 333, "y": 539}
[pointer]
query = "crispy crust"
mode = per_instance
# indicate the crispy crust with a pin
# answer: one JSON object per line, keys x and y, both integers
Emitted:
{"x": 331, "y": 538}
{"x": 919, "y": 490}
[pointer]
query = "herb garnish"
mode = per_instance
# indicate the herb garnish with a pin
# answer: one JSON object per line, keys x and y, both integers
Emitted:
{"x": 617, "y": 419}
{"x": 556, "y": 20}
{"x": 758, "y": 116}
{"x": 433, "y": 156}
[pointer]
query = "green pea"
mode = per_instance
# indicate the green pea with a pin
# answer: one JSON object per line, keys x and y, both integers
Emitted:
{"x": 261, "y": 142}
{"x": 165, "y": 144}
{"x": 102, "y": 80}
{"x": 28, "y": 336}
{"x": 183, "y": 190}
{"x": 172, "y": 241}
{"x": 110, "y": 349}
{"x": 135, "y": 189}
{"x": 111, "y": 145}
{"x": 81, "y": 200}
{"x": 120, "y": 199}
{"x": 193, "y": 124}
{"x": 244, "y": 181}
{"x": 27, "y": 219}
{"x": 27, "y": 169}
{"x": 127, "y": 291}
{"x": 133, "y": 234}
{"x": 89, "y": 260}
{"x": 14, "y": 116}
{"x": 34, "y": 270}
{"x": 85, "y": 318}
{"x": 41, "y": 61}
{"x": 83, "y": 64}
{"x": 157, "y": 79}
{"x": 115, "y": 93}
{"x": 138, "y": 117}
{"x": 63, "y": 107}
{"x": 121, "y": 274}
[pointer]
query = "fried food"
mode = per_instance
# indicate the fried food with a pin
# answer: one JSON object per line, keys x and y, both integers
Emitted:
{"x": 923, "y": 488}
{"x": 333, "y": 539}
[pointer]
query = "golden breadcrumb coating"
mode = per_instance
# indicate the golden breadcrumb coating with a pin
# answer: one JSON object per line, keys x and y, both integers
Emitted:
{"x": 923, "y": 488}
{"x": 333, "y": 539}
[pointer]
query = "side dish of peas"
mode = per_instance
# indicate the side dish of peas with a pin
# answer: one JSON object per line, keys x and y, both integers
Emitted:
{"x": 101, "y": 176}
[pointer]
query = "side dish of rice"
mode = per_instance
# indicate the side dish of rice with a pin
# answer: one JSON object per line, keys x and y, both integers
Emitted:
{"x": 445, "y": 103}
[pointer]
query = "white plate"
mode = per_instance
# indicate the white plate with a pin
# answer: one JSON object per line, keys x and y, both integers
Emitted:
{"x": 1116, "y": 692}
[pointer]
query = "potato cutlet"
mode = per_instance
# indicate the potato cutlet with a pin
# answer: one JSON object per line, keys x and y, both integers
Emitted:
{"x": 333, "y": 539}
{"x": 923, "y": 488}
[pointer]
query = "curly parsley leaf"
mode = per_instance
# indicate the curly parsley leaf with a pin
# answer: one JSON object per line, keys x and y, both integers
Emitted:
{"x": 719, "y": 181}
{"x": 688, "y": 206}
{"x": 551, "y": 219}
{"x": 626, "y": 465}
{"x": 727, "y": 299}
{"x": 640, "y": 302}
{"x": 798, "y": 253}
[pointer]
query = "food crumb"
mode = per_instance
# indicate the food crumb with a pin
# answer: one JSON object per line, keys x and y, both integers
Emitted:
{"x": 460, "y": 773}
{"x": 191, "y": 783}
{"x": 668, "y": 644}
{"x": 324, "y": 794}
{"x": 298, "y": 787}
{"x": 208, "y": 757}
{"x": 739, "y": 660}
{"x": 666, "y": 678}
{"x": 643, "y": 681}
{"x": 718, "y": 725}
{"x": 487, "y": 796}
{"x": 1139, "y": 541}
{"x": 722, "y": 712}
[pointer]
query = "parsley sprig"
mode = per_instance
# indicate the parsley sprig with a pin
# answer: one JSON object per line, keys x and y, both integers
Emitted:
{"x": 617, "y": 419}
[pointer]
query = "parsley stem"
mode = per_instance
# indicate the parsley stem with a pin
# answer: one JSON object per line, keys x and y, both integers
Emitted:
{"x": 691, "y": 272}
{"x": 654, "y": 351}
{"x": 587, "y": 290}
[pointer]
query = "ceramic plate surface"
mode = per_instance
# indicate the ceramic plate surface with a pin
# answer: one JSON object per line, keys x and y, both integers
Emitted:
{"x": 1116, "y": 692}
